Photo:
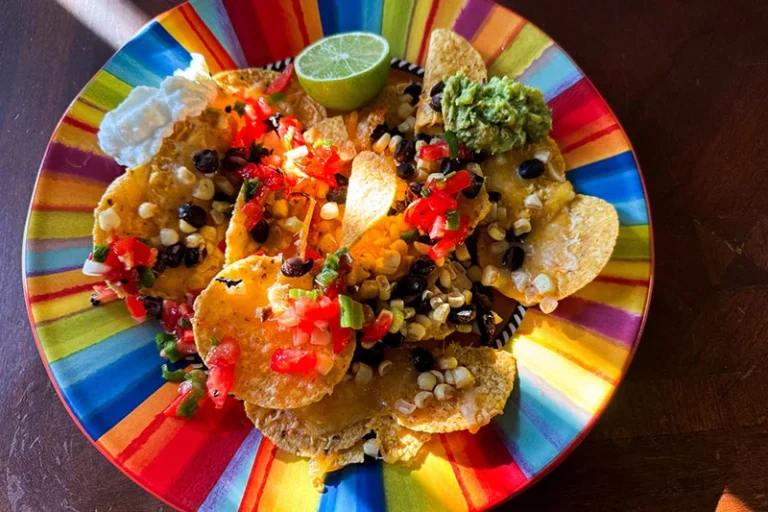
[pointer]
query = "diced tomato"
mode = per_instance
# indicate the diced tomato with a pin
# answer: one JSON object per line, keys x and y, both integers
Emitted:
{"x": 186, "y": 349}
{"x": 219, "y": 384}
{"x": 285, "y": 124}
{"x": 457, "y": 182}
{"x": 322, "y": 309}
{"x": 170, "y": 316}
{"x": 291, "y": 360}
{"x": 335, "y": 288}
{"x": 273, "y": 160}
{"x": 438, "y": 228}
{"x": 434, "y": 151}
{"x": 320, "y": 337}
{"x": 379, "y": 328}
{"x": 441, "y": 249}
{"x": 419, "y": 214}
{"x": 339, "y": 336}
{"x": 136, "y": 308}
{"x": 222, "y": 246}
{"x": 225, "y": 353}
{"x": 440, "y": 202}
{"x": 281, "y": 82}
{"x": 310, "y": 253}
{"x": 186, "y": 336}
{"x": 133, "y": 252}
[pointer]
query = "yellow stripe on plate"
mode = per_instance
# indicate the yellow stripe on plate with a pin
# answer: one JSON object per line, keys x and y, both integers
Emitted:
{"x": 50, "y": 224}
{"x": 529, "y": 44}
{"x": 628, "y": 297}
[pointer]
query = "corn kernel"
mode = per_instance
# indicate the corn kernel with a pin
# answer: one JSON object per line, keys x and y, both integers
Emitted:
{"x": 423, "y": 320}
{"x": 209, "y": 233}
{"x": 490, "y": 275}
{"x": 445, "y": 278}
{"x": 463, "y": 377}
{"x": 543, "y": 283}
{"x": 423, "y": 399}
{"x": 439, "y": 377}
{"x": 328, "y": 243}
{"x": 380, "y": 145}
{"x": 455, "y": 299}
{"x": 464, "y": 328}
{"x": 548, "y": 305}
{"x": 444, "y": 392}
{"x": 404, "y": 406}
{"x": 447, "y": 363}
{"x": 416, "y": 332}
{"x": 421, "y": 248}
{"x": 426, "y": 381}
{"x": 393, "y": 142}
{"x": 409, "y": 313}
{"x": 496, "y": 232}
{"x": 371, "y": 448}
{"x": 400, "y": 246}
{"x": 533, "y": 202}
{"x": 462, "y": 253}
{"x": 440, "y": 314}
{"x": 329, "y": 211}
{"x": 280, "y": 209}
{"x": 385, "y": 289}
{"x": 384, "y": 367}
{"x": 521, "y": 226}
{"x": 147, "y": 210}
{"x": 369, "y": 289}
{"x": 404, "y": 110}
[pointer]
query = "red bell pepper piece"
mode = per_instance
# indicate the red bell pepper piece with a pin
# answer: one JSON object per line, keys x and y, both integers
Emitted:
{"x": 281, "y": 82}
{"x": 379, "y": 328}
{"x": 434, "y": 151}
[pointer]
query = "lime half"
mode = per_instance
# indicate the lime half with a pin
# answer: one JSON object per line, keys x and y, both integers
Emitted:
{"x": 344, "y": 71}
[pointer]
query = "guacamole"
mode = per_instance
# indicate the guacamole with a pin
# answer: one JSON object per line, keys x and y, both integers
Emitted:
{"x": 495, "y": 117}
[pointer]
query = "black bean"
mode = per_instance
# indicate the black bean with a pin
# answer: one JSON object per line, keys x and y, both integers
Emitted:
{"x": 437, "y": 88}
{"x": 411, "y": 285}
{"x": 422, "y": 306}
{"x": 222, "y": 197}
{"x": 341, "y": 180}
{"x": 257, "y": 152}
{"x": 436, "y": 102}
{"x": 173, "y": 255}
{"x": 513, "y": 258}
{"x": 462, "y": 315}
{"x": 423, "y": 137}
{"x": 392, "y": 339}
{"x": 405, "y": 170}
{"x": 494, "y": 197}
{"x": 296, "y": 267}
{"x": 405, "y": 151}
{"x": 273, "y": 122}
{"x": 511, "y": 237}
{"x": 153, "y": 305}
{"x": 475, "y": 187}
{"x": 423, "y": 266}
{"x": 370, "y": 435}
{"x": 191, "y": 256}
{"x": 416, "y": 187}
{"x": 422, "y": 359}
{"x": 228, "y": 109}
{"x": 449, "y": 165}
{"x": 397, "y": 207}
{"x": 260, "y": 232}
{"x": 415, "y": 91}
{"x": 337, "y": 195}
{"x": 396, "y": 131}
{"x": 379, "y": 131}
{"x": 234, "y": 159}
{"x": 371, "y": 356}
{"x": 206, "y": 161}
{"x": 479, "y": 157}
{"x": 426, "y": 240}
{"x": 193, "y": 215}
{"x": 482, "y": 295}
{"x": 487, "y": 327}
{"x": 531, "y": 169}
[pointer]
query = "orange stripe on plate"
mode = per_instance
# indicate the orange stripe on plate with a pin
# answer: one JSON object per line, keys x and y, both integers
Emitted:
{"x": 606, "y": 146}
{"x": 259, "y": 474}
{"x": 499, "y": 28}
{"x": 76, "y": 137}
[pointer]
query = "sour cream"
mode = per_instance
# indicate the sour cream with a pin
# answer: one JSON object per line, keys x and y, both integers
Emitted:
{"x": 133, "y": 132}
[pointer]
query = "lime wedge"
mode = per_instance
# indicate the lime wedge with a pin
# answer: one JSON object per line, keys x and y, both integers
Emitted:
{"x": 344, "y": 71}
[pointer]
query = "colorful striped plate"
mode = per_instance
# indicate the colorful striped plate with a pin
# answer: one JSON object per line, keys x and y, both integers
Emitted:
{"x": 105, "y": 367}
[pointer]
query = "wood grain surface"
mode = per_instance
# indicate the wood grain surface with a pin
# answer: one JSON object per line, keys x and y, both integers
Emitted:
{"x": 689, "y": 81}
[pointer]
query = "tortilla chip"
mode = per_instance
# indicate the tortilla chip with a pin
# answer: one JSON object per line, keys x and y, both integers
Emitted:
{"x": 476, "y": 209}
{"x": 383, "y": 109}
{"x": 552, "y": 188}
{"x": 295, "y": 101}
{"x": 333, "y": 130}
{"x": 372, "y": 187}
{"x": 397, "y": 443}
{"x": 219, "y": 313}
{"x": 448, "y": 54}
{"x": 293, "y": 433}
{"x": 156, "y": 182}
{"x": 572, "y": 250}
{"x": 474, "y": 407}
{"x": 240, "y": 244}
{"x": 324, "y": 463}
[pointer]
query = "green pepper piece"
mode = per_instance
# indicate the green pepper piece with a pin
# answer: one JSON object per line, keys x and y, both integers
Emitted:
{"x": 351, "y": 312}
{"x": 172, "y": 376}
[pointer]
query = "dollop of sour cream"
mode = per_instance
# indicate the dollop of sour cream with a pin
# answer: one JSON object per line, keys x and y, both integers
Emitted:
{"x": 133, "y": 132}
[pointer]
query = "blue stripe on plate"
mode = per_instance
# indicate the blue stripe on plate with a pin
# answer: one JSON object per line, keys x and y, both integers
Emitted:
{"x": 100, "y": 400}
{"x": 213, "y": 13}
{"x": 230, "y": 488}
{"x": 350, "y": 15}
{"x": 356, "y": 488}
{"x": 49, "y": 261}
{"x": 617, "y": 180}
{"x": 327, "y": 16}
{"x": 553, "y": 72}
{"x": 149, "y": 57}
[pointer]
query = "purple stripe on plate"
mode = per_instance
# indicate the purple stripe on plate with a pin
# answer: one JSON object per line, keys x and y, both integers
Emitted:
{"x": 76, "y": 162}
{"x": 471, "y": 17}
{"x": 56, "y": 244}
{"x": 614, "y": 323}
{"x": 51, "y": 271}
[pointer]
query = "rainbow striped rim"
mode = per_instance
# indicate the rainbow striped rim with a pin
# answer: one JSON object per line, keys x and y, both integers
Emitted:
{"x": 105, "y": 368}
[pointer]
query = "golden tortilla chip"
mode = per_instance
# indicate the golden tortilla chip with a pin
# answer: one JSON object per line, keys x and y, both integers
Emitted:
{"x": 157, "y": 182}
{"x": 372, "y": 187}
{"x": 551, "y": 189}
{"x": 227, "y": 309}
{"x": 333, "y": 130}
{"x": 383, "y": 109}
{"x": 476, "y": 208}
{"x": 571, "y": 250}
{"x": 472, "y": 407}
{"x": 397, "y": 443}
{"x": 240, "y": 244}
{"x": 324, "y": 463}
{"x": 448, "y": 54}
{"x": 295, "y": 101}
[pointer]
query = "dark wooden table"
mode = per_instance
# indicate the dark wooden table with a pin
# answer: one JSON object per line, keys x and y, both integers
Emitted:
{"x": 689, "y": 80}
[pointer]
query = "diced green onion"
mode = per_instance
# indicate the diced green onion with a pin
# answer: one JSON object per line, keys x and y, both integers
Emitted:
{"x": 214, "y": 341}
{"x": 409, "y": 235}
{"x": 163, "y": 338}
{"x": 249, "y": 189}
{"x": 239, "y": 108}
{"x": 100, "y": 253}
{"x": 185, "y": 323}
{"x": 351, "y": 312}
{"x": 331, "y": 262}
{"x": 275, "y": 97}
{"x": 453, "y": 144}
{"x": 297, "y": 293}
{"x": 449, "y": 175}
{"x": 326, "y": 277}
{"x": 452, "y": 220}
{"x": 146, "y": 277}
{"x": 188, "y": 407}
{"x": 321, "y": 142}
{"x": 293, "y": 224}
{"x": 341, "y": 252}
{"x": 288, "y": 138}
{"x": 171, "y": 352}
{"x": 398, "y": 317}
{"x": 426, "y": 192}
{"x": 172, "y": 376}
{"x": 196, "y": 376}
